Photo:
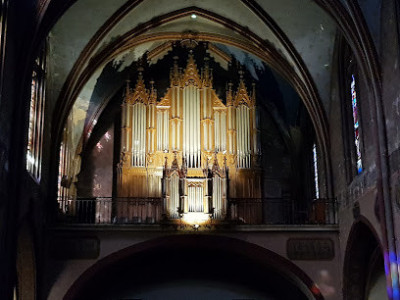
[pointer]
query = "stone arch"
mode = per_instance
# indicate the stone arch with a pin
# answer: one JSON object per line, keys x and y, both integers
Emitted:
{"x": 267, "y": 267}
{"x": 363, "y": 253}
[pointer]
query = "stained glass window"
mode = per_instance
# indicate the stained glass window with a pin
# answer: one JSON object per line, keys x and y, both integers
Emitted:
{"x": 356, "y": 124}
{"x": 315, "y": 166}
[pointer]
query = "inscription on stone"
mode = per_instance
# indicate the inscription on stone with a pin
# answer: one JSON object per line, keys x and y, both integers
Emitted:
{"x": 75, "y": 248}
{"x": 310, "y": 249}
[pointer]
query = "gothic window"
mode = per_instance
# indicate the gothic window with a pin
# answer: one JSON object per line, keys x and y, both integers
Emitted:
{"x": 36, "y": 110}
{"x": 351, "y": 112}
{"x": 356, "y": 124}
{"x": 315, "y": 169}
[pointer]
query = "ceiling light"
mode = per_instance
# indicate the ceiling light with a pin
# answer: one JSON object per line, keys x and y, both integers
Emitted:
{"x": 193, "y": 16}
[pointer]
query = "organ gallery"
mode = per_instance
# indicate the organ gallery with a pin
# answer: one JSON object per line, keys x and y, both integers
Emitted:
{"x": 190, "y": 147}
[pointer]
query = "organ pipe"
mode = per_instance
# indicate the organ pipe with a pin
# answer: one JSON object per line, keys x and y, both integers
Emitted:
{"x": 190, "y": 122}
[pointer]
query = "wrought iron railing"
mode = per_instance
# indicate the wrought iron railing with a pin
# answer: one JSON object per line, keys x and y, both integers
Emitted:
{"x": 282, "y": 211}
{"x": 256, "y": 211}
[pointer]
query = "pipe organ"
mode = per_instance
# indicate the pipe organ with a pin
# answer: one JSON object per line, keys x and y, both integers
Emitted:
{"x": 190, "y": 147}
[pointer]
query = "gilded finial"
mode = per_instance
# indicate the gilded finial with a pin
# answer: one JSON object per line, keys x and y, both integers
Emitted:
{"x": 175, "y": 74}
{"x": 191, "y": 74}
{"x": 241, "y": 96}
{"x": 229, "y": 95}
{"x": 140, "y": 94}
{"x": 127, "y": 90}
{"x": 153, "y": 93}
{"x": 206, "y": 74}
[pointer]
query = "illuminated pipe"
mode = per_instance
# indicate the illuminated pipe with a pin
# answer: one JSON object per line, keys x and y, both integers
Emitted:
{"x": 243, "y": 129}
{"x": 167, "y": 128}
{"x": 202, "y": 205}
{"x": 178, "y": 102}
{"x": 144, "y": 116}
{"x": 216, "y": 119}
{"x": 248, "y": 138}
{"x": 133, "y": 130}
{"x": 195, "y": 131}
{"x": 190, "y": 143}
{"x": 138, "y": 129}
{"x": 129, "y": 126}
{"x": 184, "y": 124}
{"x": 240, "y": 131}
{"x": 178, "y": 137}
{"x": 223, "y": 131}
{"x": 172, "y": 103}
{"x": 198, "y": 128}
{"x": 137, "y": 133}
{"x": 246, "y": 134}
{"x": 159, "y": 130}
{"x": 134, "y": 134}
{"x": 238, "y": 139}
{"x": 205, "y": 136}
{"x": 193, "y": 118}
{"x": 148, "y": 127}
{"x": 205, "y": 96}
{"x": 173, "y": 135}
{"x": 199, "y": 199}
{"x": 190, "y": 199}
{"x": 254, "y": 133}
{"x": 142, "y": 144}
{"x": 210, "y": 136}
{"x": 188, "y": 133}
{"x": 153, "y": 125}
{"x": 164, "y": 131}
{"x": 140, "y": 135}
{"x": 196, "y": 198}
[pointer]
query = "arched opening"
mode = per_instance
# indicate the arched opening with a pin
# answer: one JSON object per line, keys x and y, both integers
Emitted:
{"x": 165, "y": 268}
{"x": 364, "y": 273}
{"x": 193, "y": 111}
{"x": 298, "y": 80}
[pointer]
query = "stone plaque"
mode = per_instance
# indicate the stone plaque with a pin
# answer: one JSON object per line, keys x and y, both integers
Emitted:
{"x": 75, "y": 247}
{"x": 310, "y": 249}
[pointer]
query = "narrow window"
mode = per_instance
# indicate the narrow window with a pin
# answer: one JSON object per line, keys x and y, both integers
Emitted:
{"x": 356, "y": 125}
{"x": 351, "y": 110}
{"x": 315, "y": 166}
{"x": 36, "y": 113}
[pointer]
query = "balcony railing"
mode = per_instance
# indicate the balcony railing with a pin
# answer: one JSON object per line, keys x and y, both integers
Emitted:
{"x": 239, "y": 211}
